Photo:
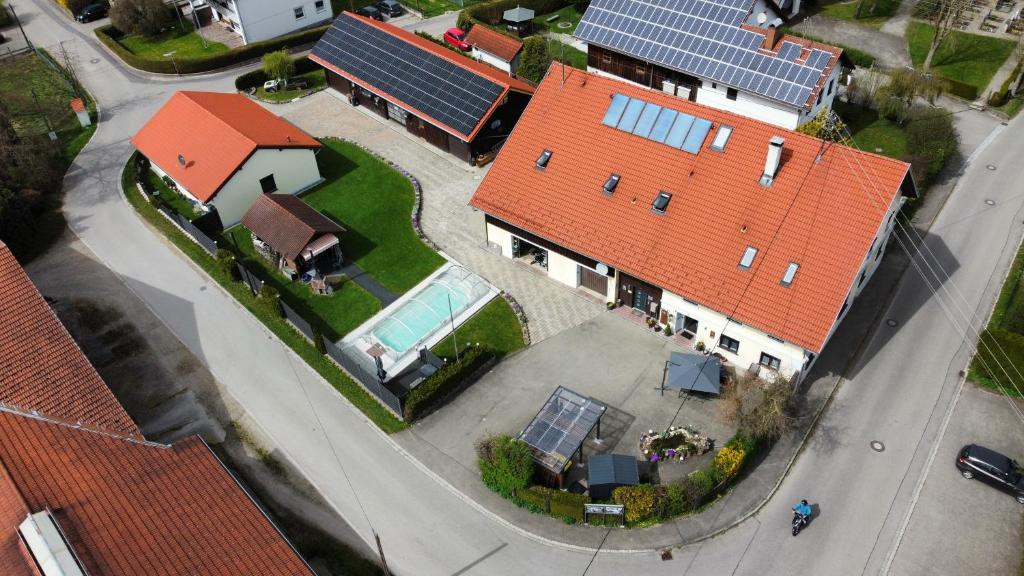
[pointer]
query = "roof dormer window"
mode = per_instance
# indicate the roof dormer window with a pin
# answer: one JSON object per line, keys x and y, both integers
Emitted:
{"x": 787, "y": 277}
{"x": 748, "y": 257}
{"x": 661, "y": 202}
{"x": 610, "y": 184}
{"x": 542, "y": 160}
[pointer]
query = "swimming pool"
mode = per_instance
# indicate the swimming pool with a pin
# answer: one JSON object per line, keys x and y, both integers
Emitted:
{"x": 423, "y": 316}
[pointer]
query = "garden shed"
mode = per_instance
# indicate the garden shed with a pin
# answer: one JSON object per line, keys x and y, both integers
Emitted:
{"x": 606, "y": 472}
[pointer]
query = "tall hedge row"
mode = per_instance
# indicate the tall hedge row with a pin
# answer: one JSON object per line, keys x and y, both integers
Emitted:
{"x": 109, "y": 36}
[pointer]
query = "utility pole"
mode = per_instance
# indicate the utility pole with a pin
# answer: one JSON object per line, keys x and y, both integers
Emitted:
{"x": 18, "y": 20}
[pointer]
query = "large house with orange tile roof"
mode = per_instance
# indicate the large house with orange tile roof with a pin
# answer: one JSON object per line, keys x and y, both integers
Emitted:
{"x": 461, "y": 106}
{"x": 223, "y": 150}
{"x": 744, "y": 237}
{"x": 727, "y": 54}
{"x": 492, "y": 47}
{"x": 81, "y": 490}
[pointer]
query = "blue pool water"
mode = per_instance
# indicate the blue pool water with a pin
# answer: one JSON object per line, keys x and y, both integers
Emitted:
{"x": 425, "y": 312}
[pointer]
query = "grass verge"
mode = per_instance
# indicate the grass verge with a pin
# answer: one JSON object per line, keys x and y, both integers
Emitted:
{"x": 1004, "y": 335}
{"x": 963, "y": 57}
{"x": 562, "y": 52}
{"x": 874, "y": 13}
{"x": 185, "y": 44}
{"x": 327, "y": 369}
{"x": 871, "y": 132}
{"x": 567, "y": 14}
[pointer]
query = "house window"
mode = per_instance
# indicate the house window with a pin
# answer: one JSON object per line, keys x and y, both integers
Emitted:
{"x": 769, "y": 361}
{"x": 730, "y": 344}
{"x": 606, "y": 58}
{"x": 820, "y": 94}
{"x": 831, "y": 84}
{"x": 320, "y": 5}
{"x": 863, "y": 275}
{"x": 268, "y": 184}
{"x": 299, "y": 13}
{"x": 878, "y": 252}
{"x": 731, "y": 93}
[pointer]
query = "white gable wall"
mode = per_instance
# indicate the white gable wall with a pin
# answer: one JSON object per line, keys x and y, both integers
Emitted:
{"x": 500, "y": 64}
{"x": 294, "y": 170}
{"x": 265, "y": 19}
{"x": 715, "y": 95}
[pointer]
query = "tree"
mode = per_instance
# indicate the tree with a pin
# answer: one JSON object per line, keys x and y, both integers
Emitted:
{"x": 825, "y": 125}
{"x": 141, "y": 17}
{"x": 931, "y": 141}
{"x": 895, "y": 99}
{"x": 278, "y": 65}
{"x": 944, "y": 18}
{"x": 535, "y": 59}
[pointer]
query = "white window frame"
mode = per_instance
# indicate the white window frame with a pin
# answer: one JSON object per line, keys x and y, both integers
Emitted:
{"x": 322, "y": 5}
{"x": 299, "y": 12}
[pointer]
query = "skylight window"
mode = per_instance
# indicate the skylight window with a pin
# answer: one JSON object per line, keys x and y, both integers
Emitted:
{"x": 611, "y": 183}
{"x": 787, "y": 278}
{"x": 542, "y": 161}
{"x": 661, "y": 202}
{"x": 748, "y": 257}
{"x": 721, "y": 138}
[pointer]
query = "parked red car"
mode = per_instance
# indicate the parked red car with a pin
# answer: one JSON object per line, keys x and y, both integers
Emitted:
{"x": 457, "y": 38}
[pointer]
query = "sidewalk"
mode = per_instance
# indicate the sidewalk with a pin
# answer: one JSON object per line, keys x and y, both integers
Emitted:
{"x": 1000, "y": 76}
{"x": 897, "y": 25}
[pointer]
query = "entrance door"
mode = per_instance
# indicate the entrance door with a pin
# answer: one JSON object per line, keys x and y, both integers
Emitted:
{"x": 641, "y": 298}
{"x": 592, "y": 280}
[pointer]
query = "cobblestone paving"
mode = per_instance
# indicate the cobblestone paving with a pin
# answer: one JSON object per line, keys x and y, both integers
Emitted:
{"x": 447, "y": 218}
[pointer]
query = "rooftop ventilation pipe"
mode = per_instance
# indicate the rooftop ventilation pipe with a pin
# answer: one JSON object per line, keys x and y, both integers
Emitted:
{"x": 771, "y": 163}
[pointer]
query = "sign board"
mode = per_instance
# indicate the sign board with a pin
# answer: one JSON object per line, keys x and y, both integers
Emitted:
{"x": 613, "y": 509}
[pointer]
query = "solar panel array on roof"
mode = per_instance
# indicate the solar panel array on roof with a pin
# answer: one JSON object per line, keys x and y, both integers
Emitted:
{"x": 704, "y": 38}
{"x": 663, "y": 125}
{"x": 560, "y": 428}
{"x": 436, "y": 87}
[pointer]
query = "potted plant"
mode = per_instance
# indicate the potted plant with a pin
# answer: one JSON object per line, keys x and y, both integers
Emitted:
{"x": 668, "y": 330}
{"x": 700, "y": 346}
{"x": 651, "y": 322}
{"x": 610, "y": 305}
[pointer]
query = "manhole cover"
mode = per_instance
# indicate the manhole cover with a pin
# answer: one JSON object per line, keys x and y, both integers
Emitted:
{"x": 877, "y": 446}
{"x": 990, "y": 202}
{"x": 892, "y": 323}
{"x": 202, "y": 288}
{"x": 990, "y": 166}
{"x": 564, "y": 25}
{"x": 94, "y": 61}
{"x": 666, "y": 555}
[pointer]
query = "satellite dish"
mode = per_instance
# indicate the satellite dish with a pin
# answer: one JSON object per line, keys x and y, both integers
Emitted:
{"x": 762, "y": 18}
{"x": 601, "y": 268}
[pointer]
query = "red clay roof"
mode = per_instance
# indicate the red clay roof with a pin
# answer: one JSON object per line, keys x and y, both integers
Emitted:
{"x": 287, "y": 223}
{"x": 215, "y": 133}
{"x": 822, "y": 215}
{"x": 494, "y": 42}
{"x": 129, "y": 507}
{"x": 41, "y": 367}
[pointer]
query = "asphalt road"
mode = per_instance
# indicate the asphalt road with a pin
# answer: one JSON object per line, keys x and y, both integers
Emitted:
{"x": 899, "y": 394}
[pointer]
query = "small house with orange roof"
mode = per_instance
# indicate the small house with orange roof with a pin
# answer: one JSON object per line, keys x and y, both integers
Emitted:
{"x": 743, "y": 238}
{"x": 727, "y": 54}
{"x": 221, "y": 151}
{"x": 492, "y": 47}
{"x": 455, "y": 103}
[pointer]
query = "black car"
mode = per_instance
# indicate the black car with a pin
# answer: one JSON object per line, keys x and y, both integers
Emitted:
{"x": 390, "y": 7}
{"x": 370, "y": 12}
{"x": 992, "y": 468}
{"x": 92, "y": 12}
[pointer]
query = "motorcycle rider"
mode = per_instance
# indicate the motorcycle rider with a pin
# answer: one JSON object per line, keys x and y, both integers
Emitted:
{"x": 803, "y": 510}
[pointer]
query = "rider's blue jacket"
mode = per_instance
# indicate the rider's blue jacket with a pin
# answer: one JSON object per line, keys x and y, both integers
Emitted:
{"x": 803, "y": 509}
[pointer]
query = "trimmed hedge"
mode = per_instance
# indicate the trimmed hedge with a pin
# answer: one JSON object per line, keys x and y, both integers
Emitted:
{"x": 450, "y": 378}
{"x": 109, "y": 36}
{"x": 556, "y": 503}
{"x": 490, "y": 12}
{"x": 256, "y": 78}
{"x": 965, "y": 91}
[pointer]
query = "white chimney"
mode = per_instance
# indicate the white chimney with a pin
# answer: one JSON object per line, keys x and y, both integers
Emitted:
{"x": 771, "y": 162}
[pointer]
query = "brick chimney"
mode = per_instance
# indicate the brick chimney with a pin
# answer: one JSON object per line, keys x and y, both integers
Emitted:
{"x": 771, "y": 37}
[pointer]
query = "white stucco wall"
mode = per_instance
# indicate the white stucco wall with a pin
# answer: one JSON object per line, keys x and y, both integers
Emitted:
{"x": 715, "y": 95}
{"x": 265, "y": 19}
{"x": 488, "y": 58}
{"x": 563, "y": 269}
{"x": 294, "y": 170}
{"x": 827, "y": 97}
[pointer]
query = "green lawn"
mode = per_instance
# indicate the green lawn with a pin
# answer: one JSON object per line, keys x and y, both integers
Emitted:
{"x": 173, "y": 199}
{"x": 573, "y": 57}
{"x": 317, "y": 80}
{"x": 1002, "y": 343}
{"x": 872, "y": 132}
{"x": 186, "y": 44}
{"x": 567, "y": 14}
{"x": 495, "y": 326}
{"x": 874, "y": 13}
{"x": 963, "y": 57}
{"x": 374, "y": 203}
{"x": 334, "y": 315}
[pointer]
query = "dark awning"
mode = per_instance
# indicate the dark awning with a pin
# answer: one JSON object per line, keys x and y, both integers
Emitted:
{"x": 694, "y": 373}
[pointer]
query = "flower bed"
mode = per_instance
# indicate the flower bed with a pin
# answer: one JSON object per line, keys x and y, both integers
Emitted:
{"x": 676, "y": 444}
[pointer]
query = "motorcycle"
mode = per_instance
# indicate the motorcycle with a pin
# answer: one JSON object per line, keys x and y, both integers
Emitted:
{"x": 799, "y": 522}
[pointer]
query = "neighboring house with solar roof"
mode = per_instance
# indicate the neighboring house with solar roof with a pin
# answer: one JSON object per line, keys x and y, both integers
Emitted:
{"x": 223, "y": 150}
{"x": 739, "y": 234}
{"x": 81, "y": 490}
{"x": 728, "y": 54}
{"x": 455, "y": 103}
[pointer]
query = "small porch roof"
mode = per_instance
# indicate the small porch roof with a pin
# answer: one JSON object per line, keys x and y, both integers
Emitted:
{"x": 319, "y": 246}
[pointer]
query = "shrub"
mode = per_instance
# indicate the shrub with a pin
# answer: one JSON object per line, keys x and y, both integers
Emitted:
{"x": 256, "y": 78}
{"x": 727, "y": 462}
{"x": 824, "y": 126}
{"x": 567, "y": 505}
{"x": 697, "y": 486}
{"x": 110, "y": 35}
{"x": 450, "y": 378}
{"x": 535, "y": 498}
{"x": 506, "y": 464}
{"x": 675, "y": 499}
{"x": 269, "y": 297}
{"x": 965, "y": 91}
{"x": 639, "y": 501}
{"x": 931, "y": 141}
{"x": 535, "y": 59}
{"x": 141, "y": 17}
{"x": 226, "y": 261}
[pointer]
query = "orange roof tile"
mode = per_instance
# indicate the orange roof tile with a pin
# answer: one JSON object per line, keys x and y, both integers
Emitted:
{"x": 130, "y": 507}
{"x": 494, "y": 42}
{"x": 41, "y": 367}
{"x": 822, "y": 215}
{"x": 215, "y": 133}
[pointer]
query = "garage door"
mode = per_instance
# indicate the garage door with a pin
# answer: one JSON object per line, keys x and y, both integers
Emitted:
{"x": 593, "y": 281}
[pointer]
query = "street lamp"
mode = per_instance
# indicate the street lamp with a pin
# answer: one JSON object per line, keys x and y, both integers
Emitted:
{"x": 175, "y": 64}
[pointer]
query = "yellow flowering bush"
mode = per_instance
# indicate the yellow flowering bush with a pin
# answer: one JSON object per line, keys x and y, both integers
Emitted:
{"x": 728, "y": 461}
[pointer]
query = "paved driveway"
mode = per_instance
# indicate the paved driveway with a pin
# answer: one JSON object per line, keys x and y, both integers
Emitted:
{"x": 964, "y": 525}
{"x": 448, "y": 184}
